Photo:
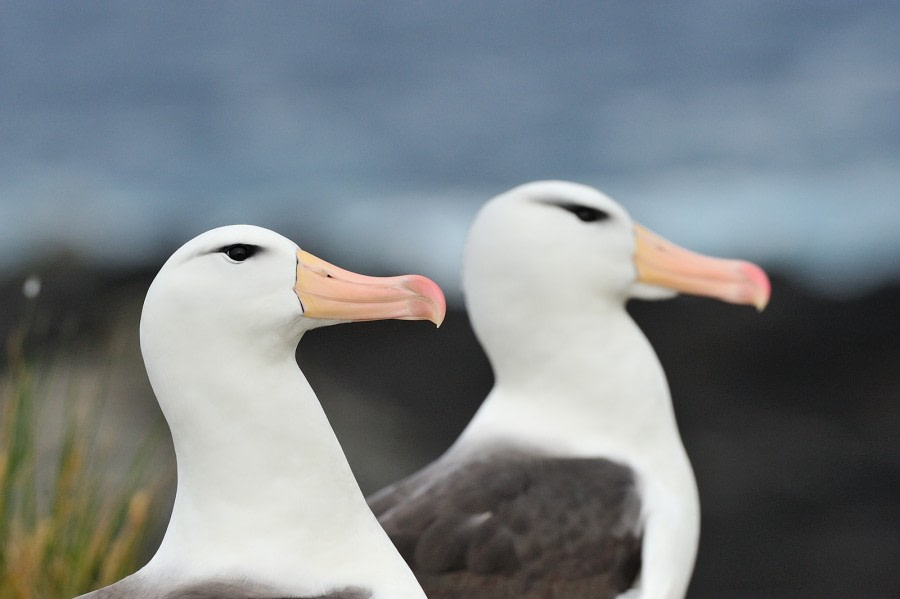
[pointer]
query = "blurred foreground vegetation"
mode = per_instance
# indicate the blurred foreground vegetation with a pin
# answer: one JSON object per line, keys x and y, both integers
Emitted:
{"x": 63, "y": 530}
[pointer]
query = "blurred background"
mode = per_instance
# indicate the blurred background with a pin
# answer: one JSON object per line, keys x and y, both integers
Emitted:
{"x": 371, "y": 133}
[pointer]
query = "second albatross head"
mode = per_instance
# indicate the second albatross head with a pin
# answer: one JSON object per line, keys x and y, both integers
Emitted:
{"x": 556, "y": 245}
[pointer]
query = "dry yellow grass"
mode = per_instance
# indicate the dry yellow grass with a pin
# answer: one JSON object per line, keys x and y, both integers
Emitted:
{"x": 63, "y": 531}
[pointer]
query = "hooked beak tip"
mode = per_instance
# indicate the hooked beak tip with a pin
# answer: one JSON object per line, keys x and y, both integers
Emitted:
{"x": 435, "y": 303}
{"x": 761, "y": 287}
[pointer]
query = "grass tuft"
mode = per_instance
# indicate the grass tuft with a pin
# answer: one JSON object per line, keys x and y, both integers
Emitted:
{"x": 63, "y": 529}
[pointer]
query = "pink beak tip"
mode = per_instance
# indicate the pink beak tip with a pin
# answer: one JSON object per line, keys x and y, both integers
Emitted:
{"x": 760, "y": 286}
{"x": 431, "y": 291}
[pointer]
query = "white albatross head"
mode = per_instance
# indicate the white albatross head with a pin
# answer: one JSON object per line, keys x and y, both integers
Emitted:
{"x": 556, "y": 245}
{"x": 561, "y": 239}
{"x": 248, "y": 282}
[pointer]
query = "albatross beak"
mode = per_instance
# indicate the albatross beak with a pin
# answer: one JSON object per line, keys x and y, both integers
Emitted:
{"x": 329, "y": 292}
{"x": 660, "y": 262}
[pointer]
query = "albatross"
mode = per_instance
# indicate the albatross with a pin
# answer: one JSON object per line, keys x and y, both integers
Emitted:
{"x": 571, "y": 480}
{"x": 266, "y": 505}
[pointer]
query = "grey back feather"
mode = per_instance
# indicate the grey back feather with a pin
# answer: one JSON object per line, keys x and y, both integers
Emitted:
{"x": 516, "y": 525}
{"x": 135, "y": 588}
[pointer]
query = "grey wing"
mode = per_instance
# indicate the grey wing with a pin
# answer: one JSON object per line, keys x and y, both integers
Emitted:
{"x": 134, "y": 588}
{"x": 244, "y": 590}
{"x": 127, "y": 587}
{"x": 516, "y": 525}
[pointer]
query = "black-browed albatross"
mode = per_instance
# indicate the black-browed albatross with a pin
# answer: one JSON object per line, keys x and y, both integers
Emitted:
{"x": 266, "y": 505}
{"x": 571, "y": 481}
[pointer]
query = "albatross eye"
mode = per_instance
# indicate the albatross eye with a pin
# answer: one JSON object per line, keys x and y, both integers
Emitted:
{"x": 586, "y": 213}
{"x": 239, "y": 252}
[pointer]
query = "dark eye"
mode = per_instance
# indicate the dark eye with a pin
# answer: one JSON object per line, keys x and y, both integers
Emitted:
{"x": 239, "y": 252}
{"x": 586, "y": 213}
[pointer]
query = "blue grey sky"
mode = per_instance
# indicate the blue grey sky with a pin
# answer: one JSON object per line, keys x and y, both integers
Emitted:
{"x": 370, "y": 133}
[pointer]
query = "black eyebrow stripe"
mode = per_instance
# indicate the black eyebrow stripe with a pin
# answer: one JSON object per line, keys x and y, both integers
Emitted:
{"x": 250, "y": 246}
{"x": 573, "y": 207}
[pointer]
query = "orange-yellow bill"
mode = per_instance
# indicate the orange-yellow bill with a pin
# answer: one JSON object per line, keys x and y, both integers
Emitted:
{"x": 330, "y": 292}
{"x": 662, "y": 263}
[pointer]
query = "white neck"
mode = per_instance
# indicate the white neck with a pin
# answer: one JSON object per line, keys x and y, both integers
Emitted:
{"x": 588, "y": 378}
{"x": 264, "y": 490}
